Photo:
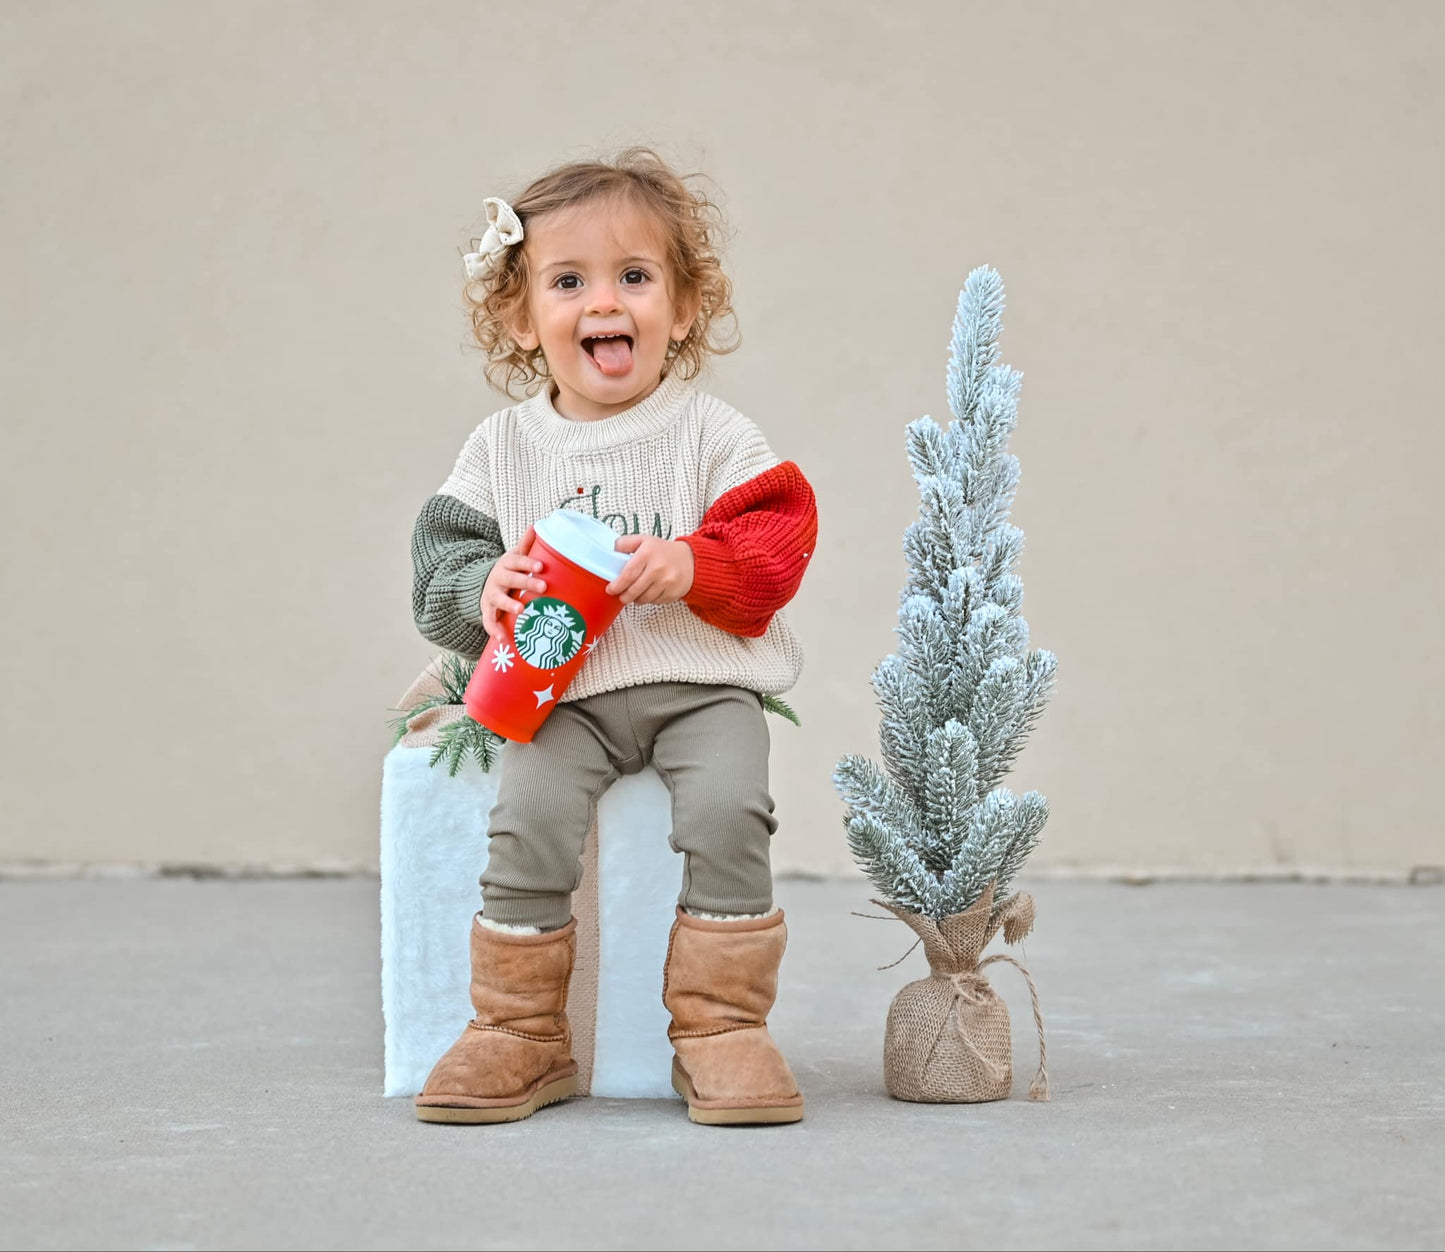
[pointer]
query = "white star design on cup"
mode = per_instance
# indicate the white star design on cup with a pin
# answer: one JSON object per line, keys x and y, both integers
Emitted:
{"x": 543, "y": 696}
{"x": 591, "y": 645}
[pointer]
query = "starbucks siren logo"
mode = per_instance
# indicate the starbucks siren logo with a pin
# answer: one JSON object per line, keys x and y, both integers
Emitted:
{"x": 549, "y": 632}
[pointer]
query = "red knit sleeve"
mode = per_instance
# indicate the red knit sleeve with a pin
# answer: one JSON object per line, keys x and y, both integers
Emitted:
{"x": 750, "y": 550}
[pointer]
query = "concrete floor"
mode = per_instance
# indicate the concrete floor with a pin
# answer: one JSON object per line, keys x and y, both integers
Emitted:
{"x": 198, "y": 1065}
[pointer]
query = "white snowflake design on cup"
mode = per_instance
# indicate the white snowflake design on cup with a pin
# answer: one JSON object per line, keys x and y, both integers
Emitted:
{"x": 503, "y": 659}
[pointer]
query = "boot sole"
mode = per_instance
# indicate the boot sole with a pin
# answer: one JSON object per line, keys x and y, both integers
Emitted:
{"x": 769, "y": 1115}
{"x": 549, "y": 1094}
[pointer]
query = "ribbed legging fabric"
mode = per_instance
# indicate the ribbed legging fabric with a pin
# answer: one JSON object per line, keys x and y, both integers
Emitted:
{"x": 709, "y": 743}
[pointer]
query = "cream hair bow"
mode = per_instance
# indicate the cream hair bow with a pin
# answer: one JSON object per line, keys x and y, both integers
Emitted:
{"x": 504, "y": 228}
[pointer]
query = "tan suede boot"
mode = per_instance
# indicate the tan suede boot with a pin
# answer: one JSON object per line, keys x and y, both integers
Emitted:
{"x": 516, "y": 1054}
{"x": 720, "y": 981}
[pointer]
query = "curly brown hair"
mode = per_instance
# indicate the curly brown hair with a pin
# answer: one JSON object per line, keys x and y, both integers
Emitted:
{"x": 690, "y": 224}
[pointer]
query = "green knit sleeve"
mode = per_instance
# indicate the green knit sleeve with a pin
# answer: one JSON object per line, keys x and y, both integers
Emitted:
{"x": 453, "y": 549}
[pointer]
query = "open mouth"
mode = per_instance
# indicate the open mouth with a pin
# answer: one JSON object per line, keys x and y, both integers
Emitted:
{"x": 611, "y": 353}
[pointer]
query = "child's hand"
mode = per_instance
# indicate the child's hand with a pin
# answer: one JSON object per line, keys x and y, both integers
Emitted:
{"x": 660, "y": 572}
{"x": 513, "y": 571}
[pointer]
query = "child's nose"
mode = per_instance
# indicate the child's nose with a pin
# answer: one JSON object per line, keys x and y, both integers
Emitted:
{"x": 604, "y": 298}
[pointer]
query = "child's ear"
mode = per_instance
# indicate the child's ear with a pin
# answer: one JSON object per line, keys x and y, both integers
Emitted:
{"x": 687, "y": 308}
{"x": 522, "y": 333}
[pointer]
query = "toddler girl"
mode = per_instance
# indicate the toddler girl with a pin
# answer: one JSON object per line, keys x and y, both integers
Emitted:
{"x": 598, "y": 290}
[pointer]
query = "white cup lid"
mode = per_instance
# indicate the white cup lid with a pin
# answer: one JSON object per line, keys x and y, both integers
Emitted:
{"x": 584, "y": 540}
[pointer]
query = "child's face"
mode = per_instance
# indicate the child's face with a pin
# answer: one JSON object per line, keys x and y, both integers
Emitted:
{"x": 599, "y": 269}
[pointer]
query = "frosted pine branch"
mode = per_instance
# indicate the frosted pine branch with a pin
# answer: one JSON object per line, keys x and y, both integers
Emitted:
{"x": 979, "y": 858}
{"x": 928, "y": 451}
{"x": 927, "y": 650}
{"x": 1038, "y": 685}
{"x": 1030, "y": 813}
{"x": 976, "y": 327}
{"x": 950, "y": 793}
{"x": 894, "y": 868}
{"x": 872, "y": 792}
{"x": 996, "y": 709}
{"x": 903, "y": 730}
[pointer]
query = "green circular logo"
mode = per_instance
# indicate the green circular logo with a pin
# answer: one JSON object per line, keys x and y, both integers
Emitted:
{"x": 549, "y": 632}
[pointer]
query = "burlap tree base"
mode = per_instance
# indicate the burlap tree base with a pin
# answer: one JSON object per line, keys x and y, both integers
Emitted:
{"x": 948, "y": 1038}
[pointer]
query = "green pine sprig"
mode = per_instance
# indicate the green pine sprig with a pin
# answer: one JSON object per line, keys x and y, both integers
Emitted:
{"x": 773, "y": 705}
{"x": 465, "y": 738}
{"x": 461, "y": 738}
{"x": 454, "y": 673}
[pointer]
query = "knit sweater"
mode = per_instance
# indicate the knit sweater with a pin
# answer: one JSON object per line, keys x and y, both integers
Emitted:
{"x": 680, "y": 464}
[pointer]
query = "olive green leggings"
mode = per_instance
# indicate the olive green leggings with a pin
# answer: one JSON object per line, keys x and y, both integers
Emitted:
{"x": 709, "y": 742}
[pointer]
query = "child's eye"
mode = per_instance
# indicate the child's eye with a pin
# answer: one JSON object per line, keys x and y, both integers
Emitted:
{"x": 564, "y": 281}
{"x": 641, "y": 277}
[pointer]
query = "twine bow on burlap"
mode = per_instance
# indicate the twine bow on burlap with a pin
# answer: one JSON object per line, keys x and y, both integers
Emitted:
{"x": 973, "y": 989}
{"x": 919, "y": 1061}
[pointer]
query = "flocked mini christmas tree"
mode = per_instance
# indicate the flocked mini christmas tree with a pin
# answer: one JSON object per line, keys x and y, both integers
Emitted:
{"x": 932, "y": 829}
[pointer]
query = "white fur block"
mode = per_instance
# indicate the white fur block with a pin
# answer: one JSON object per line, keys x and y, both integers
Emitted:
{"x": 433, "y": 847}
{"x": 638, "y": 877}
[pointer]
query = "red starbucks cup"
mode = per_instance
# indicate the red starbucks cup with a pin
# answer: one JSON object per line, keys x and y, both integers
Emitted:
{"x": 524, "y": 670}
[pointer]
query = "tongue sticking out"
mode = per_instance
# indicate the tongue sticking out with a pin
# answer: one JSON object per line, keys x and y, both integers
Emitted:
{"x": 613, "y": 356}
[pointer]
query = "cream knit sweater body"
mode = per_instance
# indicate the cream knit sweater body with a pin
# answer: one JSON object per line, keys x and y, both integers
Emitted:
{"x": 652, "y": 469}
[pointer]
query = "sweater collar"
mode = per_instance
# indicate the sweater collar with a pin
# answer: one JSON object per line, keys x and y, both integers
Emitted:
{"x": 649, "y": 416}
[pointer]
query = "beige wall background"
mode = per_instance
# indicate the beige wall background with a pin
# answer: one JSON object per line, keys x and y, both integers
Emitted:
{"x": 235, "y": 366}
